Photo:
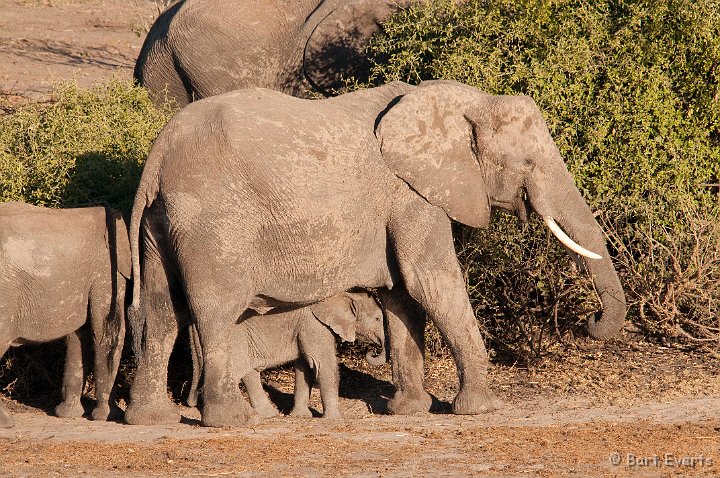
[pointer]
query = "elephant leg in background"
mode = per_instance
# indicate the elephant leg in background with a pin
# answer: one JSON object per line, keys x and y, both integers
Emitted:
{"x": 107, "y": 320}
{"x": 258, "y": 398}
{"x": 304, "y": 379}
{"x": 149, "y": 402}
{"x": 406, "y": 335}
{"x": 73, "y": 376}
{"x": 422, "y": 238}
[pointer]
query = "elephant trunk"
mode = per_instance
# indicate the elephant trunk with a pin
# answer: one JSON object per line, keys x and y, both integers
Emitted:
{"x": 556, "y": 196}
{"x": 381, "y": 358}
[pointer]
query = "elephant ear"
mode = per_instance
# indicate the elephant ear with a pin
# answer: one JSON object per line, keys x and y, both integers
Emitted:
{"x": 118, "y": 243}
{"x": 427, "y": 140}
{"x": 338, "y": 313}
{"x": 335, "y": 48}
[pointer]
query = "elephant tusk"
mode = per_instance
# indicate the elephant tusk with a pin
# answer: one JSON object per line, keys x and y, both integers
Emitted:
{"x": 569, "y": 243}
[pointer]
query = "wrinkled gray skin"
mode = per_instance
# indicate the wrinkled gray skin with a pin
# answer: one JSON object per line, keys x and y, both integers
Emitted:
{"x": 201, "y": 48}
{"x": 305, "y": 336}
{"x": 255, "y": 199}
{"x": 61, "y": 269}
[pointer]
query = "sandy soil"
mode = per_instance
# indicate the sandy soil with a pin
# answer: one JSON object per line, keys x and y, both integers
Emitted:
{"x": 625, "y": 408}
{"x": 45, "y": 41}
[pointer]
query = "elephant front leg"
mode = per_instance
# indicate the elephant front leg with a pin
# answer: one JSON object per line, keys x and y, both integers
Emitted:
{"x": 73, "y": 378}
{"x": 406, "y": 329}
{"x": 449, "y": 307}
{"x": 423, "y": 243}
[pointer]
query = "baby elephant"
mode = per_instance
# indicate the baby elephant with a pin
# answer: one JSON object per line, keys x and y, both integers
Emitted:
{"x": 59, "y": 270}
{"x": 303, "y": 336}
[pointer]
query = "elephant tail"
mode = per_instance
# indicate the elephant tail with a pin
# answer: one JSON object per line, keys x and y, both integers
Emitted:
{"x": 145, "y": 196}
{"x": 135, "y": 319}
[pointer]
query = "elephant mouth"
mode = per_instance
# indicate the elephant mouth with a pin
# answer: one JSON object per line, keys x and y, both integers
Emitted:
{"x": 566, "y": 241}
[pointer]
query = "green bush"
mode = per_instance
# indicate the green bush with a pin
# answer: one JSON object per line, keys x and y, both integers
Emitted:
{"x": 86, "y": 147}
{"x": 631, "y": 93}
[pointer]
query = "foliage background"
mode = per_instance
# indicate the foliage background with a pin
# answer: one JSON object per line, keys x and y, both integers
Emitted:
{"x": 630, "y": 92}
{"x": 629, "y": 89}
{"x": 85, "y": 147}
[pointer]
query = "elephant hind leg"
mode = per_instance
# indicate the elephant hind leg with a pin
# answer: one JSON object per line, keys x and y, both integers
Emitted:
{"x": 258, "y": 398}
{"x": 160, "y": 311}
{"x": 73, "y": 376}
{"x": 223, "y": 404}
{"x": 108, "y": 325}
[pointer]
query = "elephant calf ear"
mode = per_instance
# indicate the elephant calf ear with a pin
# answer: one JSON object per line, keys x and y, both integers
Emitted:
{"x": 337, "y": 313}
{"x": 427, "y": 140}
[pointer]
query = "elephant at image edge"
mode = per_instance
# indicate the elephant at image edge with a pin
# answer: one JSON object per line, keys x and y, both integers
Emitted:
{"x": 362, "y": 196}
{"x": 305, "y": 336}
{"x": 63, "y": 269}
{"x": 200, "y": 48}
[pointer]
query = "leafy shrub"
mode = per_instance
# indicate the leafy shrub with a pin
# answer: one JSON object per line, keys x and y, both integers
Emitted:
{"x": 630, "y": 90}
{"x": 86, "y": 147}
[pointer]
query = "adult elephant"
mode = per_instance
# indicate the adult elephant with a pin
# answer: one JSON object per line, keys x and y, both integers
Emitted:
{"x": 244, "y": 203}
{"x": 200, "y": 48}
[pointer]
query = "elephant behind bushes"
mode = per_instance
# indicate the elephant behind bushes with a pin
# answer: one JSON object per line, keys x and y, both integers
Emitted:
{"x": 200, "y": 48}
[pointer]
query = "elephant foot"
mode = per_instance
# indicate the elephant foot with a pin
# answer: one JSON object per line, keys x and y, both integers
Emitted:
{"x": 6, "y": 420}
{"x": 266, "y": 411}
{"x": 228, "y": 414}
{"x": 152, "y": 414}
{"x": 106, "y": 412}
{"x": 475, "y": 401}
{"x": 406, "y": 402}
{"x": 100, "y": 413}
{"x": 332, "y": 414}
{"x": 303, "y": 412}
{"x": 69, "y": 409}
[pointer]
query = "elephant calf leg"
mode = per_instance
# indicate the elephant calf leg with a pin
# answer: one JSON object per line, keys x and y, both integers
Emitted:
{"x": 258, "y": 398}
{"x": 304, "y": 378}
{"x": 73, "y": 378}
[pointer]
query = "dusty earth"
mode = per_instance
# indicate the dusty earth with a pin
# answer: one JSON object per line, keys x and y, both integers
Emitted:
{"x": 626, "y": 408}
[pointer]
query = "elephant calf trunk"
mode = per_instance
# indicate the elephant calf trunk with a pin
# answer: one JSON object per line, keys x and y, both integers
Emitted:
{"x": 379, "y": 359}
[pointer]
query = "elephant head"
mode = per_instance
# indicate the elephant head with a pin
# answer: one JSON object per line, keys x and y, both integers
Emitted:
{"x": 467, "y": 151}
{"x": 354, "y": 314}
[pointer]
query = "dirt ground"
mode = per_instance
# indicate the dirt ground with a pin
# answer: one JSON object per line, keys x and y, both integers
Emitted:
{"x": 624, "y": 408}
